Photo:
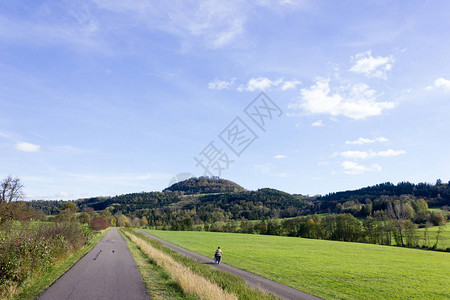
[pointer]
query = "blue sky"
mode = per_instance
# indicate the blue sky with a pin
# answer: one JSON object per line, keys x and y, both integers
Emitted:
{"x": 106, "y": 97}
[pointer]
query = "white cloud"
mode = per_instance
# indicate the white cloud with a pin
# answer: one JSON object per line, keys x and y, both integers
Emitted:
{"x": 370, "y": 154}
{"x": 371, "y": 66}
{"x": 361, "y": 141}
{"x": 27, "y": 147}
{"x": 260, "y": 83}
{"x": 390, "y": 152}
{"x": 280, "y": 156}
{"x": 217, "y": 84}
{"x": 264, "y": 83}
{"x": 440, "y": 83}
{"x": 355, "y": 154}
{"x": 287, "y": 85}
{"x": 318, "y": 123}
{"x": 356, "y": 101}
{"x": 353, "y": 168}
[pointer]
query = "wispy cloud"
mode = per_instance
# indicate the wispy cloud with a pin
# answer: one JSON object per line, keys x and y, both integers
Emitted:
{"x": 259, "y": 83}
{"x": 280, "y": 156}
{"x": 370, "y": 66}
{"x": 353, "y": 168}
{"x": 4, "y": 135}
{"x": 27, "y": 147}
{"x": 292, "y": 84}
{"x": 95, "y": 24}
{"x": 370, "y": 154}
{"x": 318, "y": 123}
{"x": 74, "y": 32}
{"x": 71, "y": 150}
{"x": 217, "y": 84}
{"x": 362, "y": 141}
{"x": 264, "y": 83}
{"x": 357, "y": 101}
{"x": 207, "y": 23}
{"x": 440, "y": 83}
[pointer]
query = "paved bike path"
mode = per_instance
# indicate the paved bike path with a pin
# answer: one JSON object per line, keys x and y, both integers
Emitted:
{"x": 253, "y": 280}
{"x": 108, "y": 271}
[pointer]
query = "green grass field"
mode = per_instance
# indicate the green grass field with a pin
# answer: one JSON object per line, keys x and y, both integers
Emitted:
{"x": 329, "y": 269}
{"x": 444, "y": 238}
{"x": 438, "y": 209}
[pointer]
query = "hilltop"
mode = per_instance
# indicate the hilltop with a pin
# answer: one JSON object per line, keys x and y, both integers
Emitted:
{"x": 204, "y": 185}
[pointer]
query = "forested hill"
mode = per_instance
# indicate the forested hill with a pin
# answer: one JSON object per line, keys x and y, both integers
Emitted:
{"x": 435, "y": 195}
{"x": 130, "y": 203}
{"x": 205, "y": 185}
{"x": 211, "y": 200}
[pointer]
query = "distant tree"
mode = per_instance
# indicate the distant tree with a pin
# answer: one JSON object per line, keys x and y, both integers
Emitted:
{"x": 70, "y": 206}
{"x": 99, "y": 223}
{"x": 65, "y": 215}
{"x": 400, "y": 212}
{"x": 84, "y": 218}
{"x": 437, "y": 218}
{"x": 411, "y": 237}
{"x": 144, "y": 221}
{"x": 11, "y": 192}
{"x": 122, "y": 220}
{"x": 438, "y": 234}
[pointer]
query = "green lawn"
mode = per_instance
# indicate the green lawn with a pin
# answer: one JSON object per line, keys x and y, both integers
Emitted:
{"x": 329, "y": 269}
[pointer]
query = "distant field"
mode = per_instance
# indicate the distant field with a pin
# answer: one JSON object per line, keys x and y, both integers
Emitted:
{"x": 438, "y": 209}
{"x": 444, "y": 238}
{"x": 329, "y": 269}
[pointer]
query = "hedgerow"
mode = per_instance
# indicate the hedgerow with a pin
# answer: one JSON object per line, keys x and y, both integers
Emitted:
{"x": 28, "y": 249}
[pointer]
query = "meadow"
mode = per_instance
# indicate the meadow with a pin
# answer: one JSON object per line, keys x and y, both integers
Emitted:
{"x": 444, "y": 238}
{"x": 328, "y": 269}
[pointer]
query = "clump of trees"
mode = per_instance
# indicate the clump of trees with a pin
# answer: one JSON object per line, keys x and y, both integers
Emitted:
{"x": 11, "y": 205}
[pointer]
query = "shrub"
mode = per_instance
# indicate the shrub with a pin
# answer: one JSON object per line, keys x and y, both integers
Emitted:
{"x": 27, "y": 250}
{"x": 99, "y": 224}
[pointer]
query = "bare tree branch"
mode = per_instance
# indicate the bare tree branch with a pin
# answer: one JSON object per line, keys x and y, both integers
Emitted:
{"x": 11, "y": 190}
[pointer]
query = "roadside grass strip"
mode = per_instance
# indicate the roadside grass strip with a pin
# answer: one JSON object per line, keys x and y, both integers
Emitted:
{"x": 190, "y": 282}
{"x": 158, "y": 281}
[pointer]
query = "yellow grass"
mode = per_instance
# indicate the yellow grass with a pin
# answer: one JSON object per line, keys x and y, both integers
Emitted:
{"x": 190, "y": 282}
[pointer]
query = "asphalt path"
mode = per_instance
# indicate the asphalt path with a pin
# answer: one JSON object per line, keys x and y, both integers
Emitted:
{"x": 108, "y": 271}
{"x": 253, "y": 280}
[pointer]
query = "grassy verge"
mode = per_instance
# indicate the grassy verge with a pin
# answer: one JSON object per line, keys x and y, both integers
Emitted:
{"x": 329, "y": 269}
{"x": 228, "y": 282}
{"x": 33, "y": 288}
{"x": 158, "y": 282}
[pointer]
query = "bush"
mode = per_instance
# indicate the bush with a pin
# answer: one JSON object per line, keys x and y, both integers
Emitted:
{"x": 99, "y": 224}
{"x": 27, "y": 249}
{"x": 437, "y": 218}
